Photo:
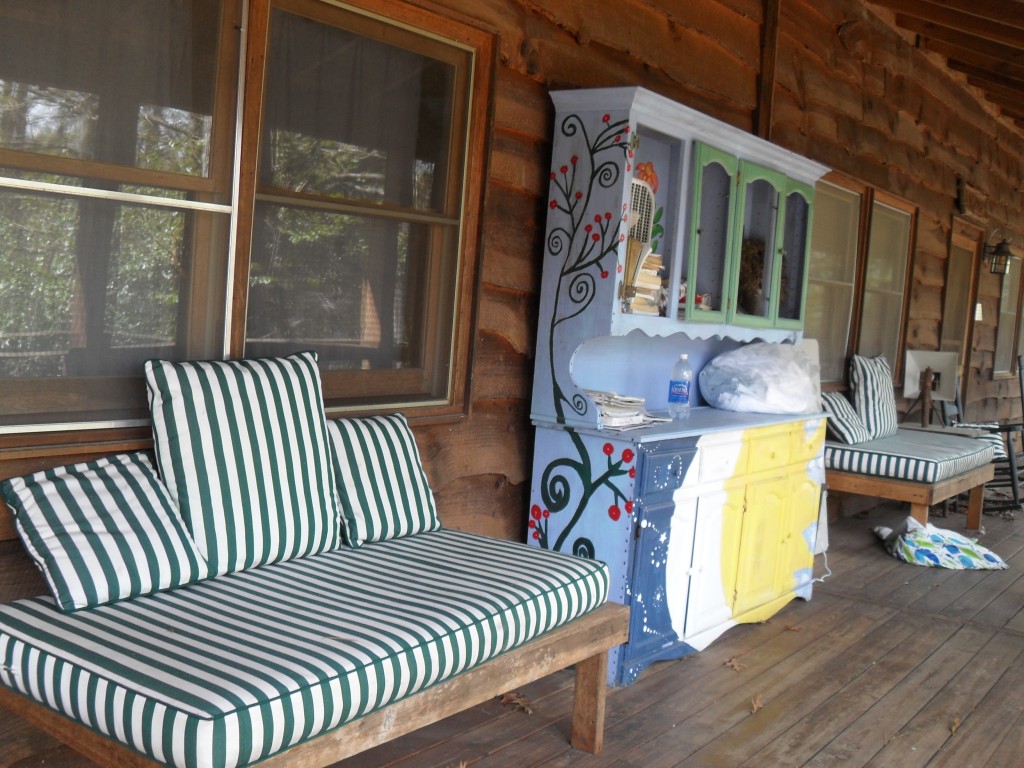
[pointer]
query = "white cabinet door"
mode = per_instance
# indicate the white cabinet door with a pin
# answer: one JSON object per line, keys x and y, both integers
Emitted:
{"x": 713, "y": 571}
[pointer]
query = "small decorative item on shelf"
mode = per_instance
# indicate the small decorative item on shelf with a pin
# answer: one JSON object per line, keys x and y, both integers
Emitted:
{"x": 700, "y": 301}
{"x": 750, "y": 300}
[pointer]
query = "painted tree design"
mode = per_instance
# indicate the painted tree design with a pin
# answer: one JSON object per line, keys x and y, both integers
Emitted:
{"x": 587, "y": 239}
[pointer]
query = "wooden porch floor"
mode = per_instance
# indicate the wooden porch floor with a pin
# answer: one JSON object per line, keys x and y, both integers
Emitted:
{"x": 888, "y": 665}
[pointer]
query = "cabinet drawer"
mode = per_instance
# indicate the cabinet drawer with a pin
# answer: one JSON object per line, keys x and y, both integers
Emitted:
{"x": 769, "y": 451}
{"x": 664, "y": 471}
{"x": 721, "y": 462}
{"x": 807, "y": 440}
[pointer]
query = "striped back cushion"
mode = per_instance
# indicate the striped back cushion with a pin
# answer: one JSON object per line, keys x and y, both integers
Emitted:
{"x": 873, "y": 396}
{"x": 843, "y": 422}
{"x": 383, "y": 489}
{"x": 242, "y": 446}
{"x": 103, "y": 531}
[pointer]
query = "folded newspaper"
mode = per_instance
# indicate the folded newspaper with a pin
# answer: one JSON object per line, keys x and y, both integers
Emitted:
{"x": 622, "y": 412}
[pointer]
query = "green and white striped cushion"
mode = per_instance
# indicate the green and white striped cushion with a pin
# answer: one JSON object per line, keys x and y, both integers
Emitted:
{"x": 242, "y": 446}
{"x": 843, "y": 421}
{"x": 234, "y": 669}
{"x": 381, "y": 483}
{"x": 103, "y": 531}
{"x": 873, "y": 395}
{"x": 910, "y": 454}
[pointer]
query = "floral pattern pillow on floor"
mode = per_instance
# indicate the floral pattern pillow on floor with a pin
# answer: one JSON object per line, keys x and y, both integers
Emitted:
{"x": 936, "y": 547}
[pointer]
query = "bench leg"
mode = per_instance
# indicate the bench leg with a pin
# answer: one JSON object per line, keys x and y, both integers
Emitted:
{"x": 589, "y": 702}
{"x": 974, "y": 504}
{"x": 919, "y": 512}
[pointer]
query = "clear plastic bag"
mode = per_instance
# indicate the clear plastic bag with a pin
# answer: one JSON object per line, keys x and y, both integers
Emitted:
{"x": 763, "y": 378}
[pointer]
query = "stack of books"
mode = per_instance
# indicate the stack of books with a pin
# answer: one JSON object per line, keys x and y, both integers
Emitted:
{"x": 645, "y": 277}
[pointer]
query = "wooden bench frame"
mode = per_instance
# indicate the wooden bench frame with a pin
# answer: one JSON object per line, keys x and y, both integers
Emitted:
{"x": 921, "y": 496}
{"x": 584, "y": 642}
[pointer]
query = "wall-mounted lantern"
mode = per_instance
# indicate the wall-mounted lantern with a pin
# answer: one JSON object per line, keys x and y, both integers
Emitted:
{"x": 998, "y": 253}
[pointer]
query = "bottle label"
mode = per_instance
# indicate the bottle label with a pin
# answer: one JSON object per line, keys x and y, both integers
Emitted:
{"x": 679, "y": 392}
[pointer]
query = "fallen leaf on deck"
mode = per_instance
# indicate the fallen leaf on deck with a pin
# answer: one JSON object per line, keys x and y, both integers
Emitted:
{"x": 955, "y": 724}
{"x": 734, "y": 663}
{"x": 756, "y": 703}
{"x": 519, "y": 701}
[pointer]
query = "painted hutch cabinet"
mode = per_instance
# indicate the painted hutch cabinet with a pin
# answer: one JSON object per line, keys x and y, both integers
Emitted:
{"x": 670, "y": 232}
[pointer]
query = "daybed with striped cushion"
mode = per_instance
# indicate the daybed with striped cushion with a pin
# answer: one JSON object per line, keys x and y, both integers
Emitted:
{"x": 275, "y": 589}
{"x": 229, "y": 671}
{"x": 917, "y": 466}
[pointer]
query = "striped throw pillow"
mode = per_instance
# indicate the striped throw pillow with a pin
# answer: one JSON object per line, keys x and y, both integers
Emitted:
{"x": 103, "y": 531}
{"x": 242, "y": 446}
{"x": 843, "y": 422}
{"x": 873, "y": 395}
{"x": 382, "y": 486}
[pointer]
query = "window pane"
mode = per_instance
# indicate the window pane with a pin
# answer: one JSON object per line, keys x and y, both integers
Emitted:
{"x": 1007, "y": 318}
{"x": 834, "y": 244}
{"x": 129, "y": 82}
{"x": 882, "y": 311}
{"x": 313, "y": 287}
{"x": 90, "y": 287}
{"x": 354, "y": 118}
{"x": 958, "y": 302}
{"x": 357, "y": 216}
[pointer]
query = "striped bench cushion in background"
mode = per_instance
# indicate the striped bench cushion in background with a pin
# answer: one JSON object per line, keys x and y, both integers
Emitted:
{"x": 910, "y": 454}
{"x": 228, "y": 671}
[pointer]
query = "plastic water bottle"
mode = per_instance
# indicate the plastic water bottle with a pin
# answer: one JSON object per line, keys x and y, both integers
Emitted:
{"x": 679, "y": 389}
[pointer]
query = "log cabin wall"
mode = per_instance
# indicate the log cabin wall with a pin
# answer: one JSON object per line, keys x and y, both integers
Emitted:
{"x": 842, "y": 86}
{"x": 849, "y": 91}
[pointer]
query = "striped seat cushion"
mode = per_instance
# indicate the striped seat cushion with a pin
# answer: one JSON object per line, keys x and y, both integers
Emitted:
{"x": 910, "y": 454}
{"x": 231, "y": 670}
{"x": 242, "y": 446}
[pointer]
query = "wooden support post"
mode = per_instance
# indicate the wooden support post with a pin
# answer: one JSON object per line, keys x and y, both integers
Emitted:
{"x": 975, "y": 501}
{"x": 589, "y": 703}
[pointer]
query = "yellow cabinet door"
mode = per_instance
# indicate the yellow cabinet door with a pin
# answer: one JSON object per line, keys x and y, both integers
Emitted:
{"x": 798, "y": 544}
{"x": 760, "y": 571}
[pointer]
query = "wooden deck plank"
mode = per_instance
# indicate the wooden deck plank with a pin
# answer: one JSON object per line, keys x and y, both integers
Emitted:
{"x": 653, "y": 708}
{"x": 982, "y": 732}
{"x": 882, "y": 724}
{"x": 785, "y": 708}
{"x": 933, "y": 727}
{"x": 683, "y": 728}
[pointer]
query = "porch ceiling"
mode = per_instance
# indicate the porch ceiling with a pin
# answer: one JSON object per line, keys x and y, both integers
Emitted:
{"x": 981, "y": 39}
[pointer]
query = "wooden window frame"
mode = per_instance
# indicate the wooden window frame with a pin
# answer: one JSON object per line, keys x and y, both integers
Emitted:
{"x": 900, "y": 204}
{"x": 364, "y": 391}
{"x": 1018, "y": 327}
{"x": 868, "y": 197}
{"x": 80, "y": 439}
{"x": 968, "y": 237}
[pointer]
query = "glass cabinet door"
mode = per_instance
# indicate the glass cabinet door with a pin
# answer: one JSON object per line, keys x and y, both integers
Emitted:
{"x": 756, "y": 233}
{"x": 703, "y": 289}
{"x": 792, "y": 273}
{"x": 653, "y": 239}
